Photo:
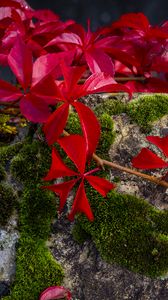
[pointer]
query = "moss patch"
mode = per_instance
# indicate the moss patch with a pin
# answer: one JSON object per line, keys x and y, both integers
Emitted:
{"x": 7, "y": 202}
{"x": 7, "y": 152}
{"x": 111, "y": 107}
{"x": 2, "y": 173}
{"x": 107, "y": 134}
{"x": 37, "y": 209}
{"x": 31, "y": 163}
{"x": 147, "y": 109}
{"x": 126, "y": 230}
{"x": 36, "y": 270}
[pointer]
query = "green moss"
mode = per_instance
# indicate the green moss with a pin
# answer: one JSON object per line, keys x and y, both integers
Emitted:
{"x": 7, "y": 152}
{"x": 37, "y": 209}
{"x": 7, "y": 202}
{"x": 107, "y": 135}
{"x": 73, "y": 125}
{"x": 2, "y": 173}
{"x": 111, "y": 107}
{"x": 36, "y": 269}
{"x": 31, "y": 163}
{"x": 125, "y": 231}
{"x": 107, "y": 130}
{"x": 147, "y": 109}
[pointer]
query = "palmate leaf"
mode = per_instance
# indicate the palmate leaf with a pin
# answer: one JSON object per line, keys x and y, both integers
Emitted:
{"x": 75, "y": 147}
{"x": 146, "y": 159}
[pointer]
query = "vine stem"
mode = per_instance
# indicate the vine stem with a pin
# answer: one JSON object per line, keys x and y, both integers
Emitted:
{"x": 153, "y": 179}
{"x": 120, "y": 79}
{"x": 102, "y": 162}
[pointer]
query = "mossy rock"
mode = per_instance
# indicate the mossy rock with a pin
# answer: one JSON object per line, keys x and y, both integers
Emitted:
{"x": 36, "y": 269}
{"x": 37, "y": 209}
{"x": 128, "y": 231}
{"x": 2, "y": 173}
{"x": 148, "y": 108}
{"x": 31, "y": 163}
{"x": 111, "y": 107}
{"x": 7, "y": 152}
{"x": 7, "y": 202}
{"x": 107, "y": 136}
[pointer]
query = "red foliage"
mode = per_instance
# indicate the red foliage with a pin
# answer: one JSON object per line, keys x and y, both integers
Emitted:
{"x": 146, "y": 159}
{"x": 76, "y": 148}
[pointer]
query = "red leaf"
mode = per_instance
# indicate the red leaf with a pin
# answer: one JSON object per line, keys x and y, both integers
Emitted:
{"x": 160, "y": 142}
{"x": 90, "y": 127}
{"x": 34, "y": 109}
{"x": 101, "y": 82}
{"x": 146, "y": 159}
{"x": 56, "y": 123}
{"x": 46, "y": 90}
{"x": 49, "y": 65}
{"x": 132, "y": 20}
{"x": 75, "y": 148}
{"x": 62, "y": 189}
{"x": 71, "y": 76}
{"x": 10, "y": 3}
{"x": 81, "y": 204}
{"x": 58, "y": 168}
{"x": 55, "y": 292}
{"x": 66, "y": 37}
{"x": 8, "y": 92}
{"x": 100, "y": 184}
{"x": 20, "y": 61}
{"x": 98, "y": 61}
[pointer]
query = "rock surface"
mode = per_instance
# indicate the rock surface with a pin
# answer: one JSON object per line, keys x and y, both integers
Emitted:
{"x": 89, "y": 277}
{"x": 86, "y": 274}
{"x": 8, "y": 239}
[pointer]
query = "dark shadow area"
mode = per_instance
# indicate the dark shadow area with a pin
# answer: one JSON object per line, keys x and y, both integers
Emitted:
{"x": 103, "y": 12}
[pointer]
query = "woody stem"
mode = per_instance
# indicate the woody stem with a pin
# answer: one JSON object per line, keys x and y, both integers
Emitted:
{"x": 153, "y": 179}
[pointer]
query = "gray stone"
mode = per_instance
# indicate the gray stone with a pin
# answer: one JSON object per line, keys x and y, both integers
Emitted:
{"x": 89, "y": 277}
{"x": 8, "y": 242}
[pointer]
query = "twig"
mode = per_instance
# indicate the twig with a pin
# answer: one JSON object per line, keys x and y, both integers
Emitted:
{"x": 153, "y": 179}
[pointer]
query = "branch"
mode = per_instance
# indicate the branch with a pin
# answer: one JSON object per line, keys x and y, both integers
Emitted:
{"x": 120, "y": 79}
{"x": 153, "y": 179}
